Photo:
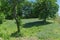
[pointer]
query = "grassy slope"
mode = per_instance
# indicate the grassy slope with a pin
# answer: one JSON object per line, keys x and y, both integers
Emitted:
{"x": 31, "y": 27}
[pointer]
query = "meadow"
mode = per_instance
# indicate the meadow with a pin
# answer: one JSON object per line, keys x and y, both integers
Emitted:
{"x": 30, "y": 28}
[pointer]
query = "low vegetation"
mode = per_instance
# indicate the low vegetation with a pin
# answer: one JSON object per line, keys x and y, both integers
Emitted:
{"x": 30, "y": 28}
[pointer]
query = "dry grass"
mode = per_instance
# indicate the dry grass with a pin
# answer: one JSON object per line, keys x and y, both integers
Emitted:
{"x": 29, "y": 38}
{"x": 57, "y": 20}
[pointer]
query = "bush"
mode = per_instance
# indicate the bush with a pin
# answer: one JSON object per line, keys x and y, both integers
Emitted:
{"x": 9, "y": 16}
{"x": 4, "y": 35}
{"x": 2, "y": 17}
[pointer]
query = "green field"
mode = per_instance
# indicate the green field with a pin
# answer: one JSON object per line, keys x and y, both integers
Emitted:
{"x": 31, "y": 28}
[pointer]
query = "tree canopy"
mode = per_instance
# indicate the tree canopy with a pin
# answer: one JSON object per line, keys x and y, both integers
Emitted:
{"x": 46, "y": 8}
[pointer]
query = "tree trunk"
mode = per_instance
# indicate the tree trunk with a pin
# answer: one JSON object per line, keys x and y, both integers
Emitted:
{"x": 16, "y": 18}
{"x": 17, "y": 22}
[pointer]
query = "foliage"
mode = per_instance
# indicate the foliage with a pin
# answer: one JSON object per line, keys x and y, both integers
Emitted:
{"x": 2, "y": 18}
{"x": 7, "y": 8}
{"x": 46, "y": 9}
{"x": 14, "y": 9}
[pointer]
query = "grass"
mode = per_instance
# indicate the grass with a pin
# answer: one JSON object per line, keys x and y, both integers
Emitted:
{"x": 31, "y": 28}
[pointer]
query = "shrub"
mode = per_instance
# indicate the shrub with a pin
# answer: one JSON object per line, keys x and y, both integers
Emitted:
{"x": 9, "y": 16}
{"x": 2, "y": 17}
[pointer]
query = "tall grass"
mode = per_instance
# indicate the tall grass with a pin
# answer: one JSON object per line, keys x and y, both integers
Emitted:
{"x": 57, "y": 20}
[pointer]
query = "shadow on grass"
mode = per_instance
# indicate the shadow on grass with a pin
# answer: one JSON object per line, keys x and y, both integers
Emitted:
{"x": 37, "y": 23}
{"x": 15, "y": 34}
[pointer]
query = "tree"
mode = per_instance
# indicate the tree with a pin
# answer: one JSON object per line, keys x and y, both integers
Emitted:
{"x": 27, "y": 7}
{"x": 2, "y": 16}
{"x": 46, "y": 9}
{"x": 11, "y": 7}
{"x": 15, "y": 5}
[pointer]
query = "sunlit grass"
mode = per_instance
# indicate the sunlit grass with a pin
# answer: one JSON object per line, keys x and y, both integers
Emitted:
{"x": 43, "y": 32}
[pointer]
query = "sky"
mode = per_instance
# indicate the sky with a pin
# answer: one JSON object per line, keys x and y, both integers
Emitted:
{"x": 58, "y": 2}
